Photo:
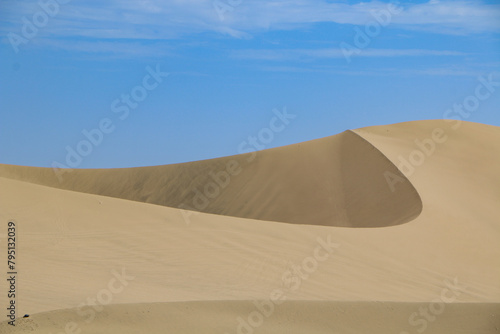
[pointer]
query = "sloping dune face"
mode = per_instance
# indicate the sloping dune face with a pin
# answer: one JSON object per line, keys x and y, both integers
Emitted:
{"x": 335, "y": 181}
{"x": 99, "y": 264}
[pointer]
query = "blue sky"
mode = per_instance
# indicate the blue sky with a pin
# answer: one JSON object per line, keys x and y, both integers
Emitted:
{"x": 335, "y": 65}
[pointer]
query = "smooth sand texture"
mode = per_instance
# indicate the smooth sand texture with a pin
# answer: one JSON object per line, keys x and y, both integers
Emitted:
{"x": 292, "y": 220}
{"x": 335, "y": 181}
{"x": 293, "y": 317}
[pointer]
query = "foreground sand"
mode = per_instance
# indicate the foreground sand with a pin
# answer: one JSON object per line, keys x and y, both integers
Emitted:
{"x": 316, "y": 223}
{"x": 293, "y": 317}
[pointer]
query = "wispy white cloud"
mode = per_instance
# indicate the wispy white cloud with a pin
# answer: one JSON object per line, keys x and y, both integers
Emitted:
{"x": 111, "y": 49}
{"x": 172, "y": 18}
{"x": 383, "y": 71}
{"x": 310, "y": 54}
{"x": 168, "y": 19}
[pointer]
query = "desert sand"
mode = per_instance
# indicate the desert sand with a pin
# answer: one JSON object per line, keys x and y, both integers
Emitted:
{"x": 385, "y": 229}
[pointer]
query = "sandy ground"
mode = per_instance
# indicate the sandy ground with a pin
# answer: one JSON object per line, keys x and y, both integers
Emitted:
{"x": 381, "y": 229}
{"x": 292, "y": 317}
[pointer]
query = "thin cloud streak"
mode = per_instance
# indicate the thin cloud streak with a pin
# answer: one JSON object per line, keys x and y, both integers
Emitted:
{"x": 311, "y": 54}
{"x": 431, "y": 71}
{"x": 148, "y": 19}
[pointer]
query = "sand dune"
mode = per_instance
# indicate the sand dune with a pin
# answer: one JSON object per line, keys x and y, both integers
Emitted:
{"x": 335, "y": 181}
{"x": 290, "y": 222}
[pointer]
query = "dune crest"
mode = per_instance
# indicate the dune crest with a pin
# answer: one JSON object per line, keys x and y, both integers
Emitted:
{"x": 334, "y": 181}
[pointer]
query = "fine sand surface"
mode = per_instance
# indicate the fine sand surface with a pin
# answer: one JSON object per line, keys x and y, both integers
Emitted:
{"x": 359, "y": 232}
{"x": 293, "y": 317}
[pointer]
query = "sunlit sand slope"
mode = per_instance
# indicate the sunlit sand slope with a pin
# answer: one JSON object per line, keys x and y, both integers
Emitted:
{"x": 81, "y": 253}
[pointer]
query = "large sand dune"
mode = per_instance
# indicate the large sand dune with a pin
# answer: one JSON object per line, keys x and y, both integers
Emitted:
{"x": 288, "y": 223}
{"x": 336, "y": 181}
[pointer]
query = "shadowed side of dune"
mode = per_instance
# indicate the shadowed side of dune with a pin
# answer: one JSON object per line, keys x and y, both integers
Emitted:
{"x": 337, "y": 181}
{"x": 265, "y": 317}
{"x": 376, "y": 193}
